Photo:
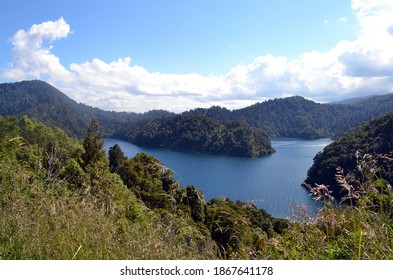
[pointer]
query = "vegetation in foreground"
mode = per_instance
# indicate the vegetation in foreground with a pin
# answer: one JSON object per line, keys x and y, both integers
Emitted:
{"x": 64, "y": 199}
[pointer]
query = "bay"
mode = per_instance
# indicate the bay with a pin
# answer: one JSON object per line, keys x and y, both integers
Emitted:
{"x": 271, "y": 182}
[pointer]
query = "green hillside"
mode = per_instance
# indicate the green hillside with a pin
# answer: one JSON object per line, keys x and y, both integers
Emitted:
{"x": 302, "y": 118}
{"x": 374, "y": 137}
{"x": 193, "y": 133}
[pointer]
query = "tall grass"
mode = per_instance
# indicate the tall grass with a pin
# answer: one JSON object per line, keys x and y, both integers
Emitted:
{"x": 41, "y": 222}
{"x": 358, "y": 227}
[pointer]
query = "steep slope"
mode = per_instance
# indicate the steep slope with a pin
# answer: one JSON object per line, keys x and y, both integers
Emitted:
{"x": 54, "y": 204}
{"x": 375, "y": 137}
{"x": 293, "y": 116}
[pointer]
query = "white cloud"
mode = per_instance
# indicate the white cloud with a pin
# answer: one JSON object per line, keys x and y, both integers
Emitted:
{"x": 33, "y": 58}
{"x": 358, "y": 67}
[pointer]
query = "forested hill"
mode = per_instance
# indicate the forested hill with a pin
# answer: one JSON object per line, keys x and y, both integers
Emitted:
{"x": 47, "y": 104}
{"x": 299, "y": 117}
{"x": 157, "y": 129}
{"x": 375, "y": 137}
{"x": 193, "y": 133}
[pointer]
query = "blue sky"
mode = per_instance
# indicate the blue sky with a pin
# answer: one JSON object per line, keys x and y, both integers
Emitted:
{"x": 142, "y": 55}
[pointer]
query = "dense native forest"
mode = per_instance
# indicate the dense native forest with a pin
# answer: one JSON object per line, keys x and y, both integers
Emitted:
{"x": 194, "y": 133}
{"x": 65, "y": 198}
{"x": 47, "y": 104}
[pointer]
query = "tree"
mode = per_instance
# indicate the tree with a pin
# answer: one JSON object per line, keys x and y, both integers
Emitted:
{"x": 93, "y": 144}
{"x": 116, "y": 158}
{"x": 197, "y": 203}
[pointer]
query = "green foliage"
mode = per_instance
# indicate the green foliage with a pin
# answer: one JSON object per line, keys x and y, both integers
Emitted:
{"x": 93, "y": 144}
{"x": 45, "y": 103}
{"x": 193, "y": 133}
{"x": 151, "y": 181}
{"x": 116, "y": 158}
{"x": 240, "y": 229}
{"x": 360, "y": 229}
{"x": 375, "y": 137}
{"x": 242, "y": 132}
{"x": 195, "y": 203}
{"x": 298, "y": 117}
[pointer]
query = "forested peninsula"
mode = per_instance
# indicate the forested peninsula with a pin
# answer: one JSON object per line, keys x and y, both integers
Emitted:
{"x": 194, "y": 133}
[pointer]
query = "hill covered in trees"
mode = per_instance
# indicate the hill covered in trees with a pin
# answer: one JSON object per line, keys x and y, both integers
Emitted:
{"x": 47, "y": 104}
{"x": 372, "y": 138}
{"x": 193, "y": 133}
{"x": 302, "y": 118}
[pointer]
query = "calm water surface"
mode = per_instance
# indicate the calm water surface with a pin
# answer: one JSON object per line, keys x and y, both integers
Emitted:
{"x": 271, "y": 182}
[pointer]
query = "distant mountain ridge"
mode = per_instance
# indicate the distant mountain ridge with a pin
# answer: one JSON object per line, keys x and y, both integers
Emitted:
{"x": 291, "y": 117}
{"x": 299, "y": 117}
{"x": 353, "y": 101}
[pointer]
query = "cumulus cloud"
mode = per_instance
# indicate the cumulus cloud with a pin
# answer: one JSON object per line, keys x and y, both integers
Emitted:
{"x": 33, "y": 58}
{"x": 358, "y": 67}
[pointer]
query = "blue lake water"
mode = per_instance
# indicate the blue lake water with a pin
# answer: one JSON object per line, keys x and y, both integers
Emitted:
{"x": 270, "y": 182}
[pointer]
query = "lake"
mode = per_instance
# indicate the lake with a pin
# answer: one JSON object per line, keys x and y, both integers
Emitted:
{"x": 271, "y": 182}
